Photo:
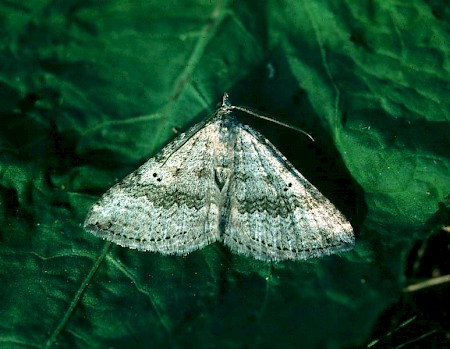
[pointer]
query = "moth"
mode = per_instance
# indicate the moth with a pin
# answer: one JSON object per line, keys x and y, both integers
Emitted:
{"x": 221, "y": 181}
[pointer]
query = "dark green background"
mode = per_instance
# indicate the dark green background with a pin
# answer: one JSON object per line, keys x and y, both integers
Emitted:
{"x": 90, "y": 89}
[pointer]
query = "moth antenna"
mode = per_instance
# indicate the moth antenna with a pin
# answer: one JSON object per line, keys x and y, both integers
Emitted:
{"x": 258, "y": 115}
{"x": 226, "y": 105}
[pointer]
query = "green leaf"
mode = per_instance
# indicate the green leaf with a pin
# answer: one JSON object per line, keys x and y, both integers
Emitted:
{"x": 90, "y": 90}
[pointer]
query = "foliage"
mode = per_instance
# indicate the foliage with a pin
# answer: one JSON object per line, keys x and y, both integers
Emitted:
{"x": 89, "y": 90}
